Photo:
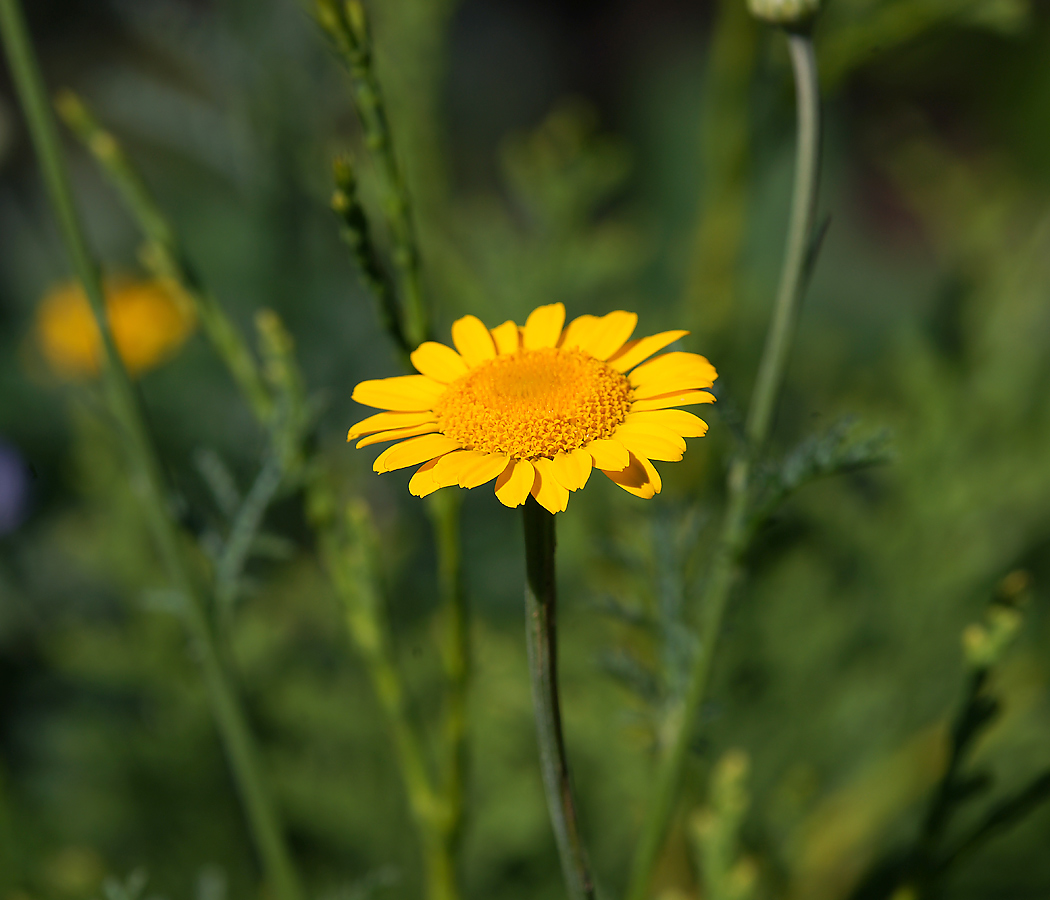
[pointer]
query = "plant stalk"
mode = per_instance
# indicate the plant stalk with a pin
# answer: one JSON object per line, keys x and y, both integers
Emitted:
{"x": 349, "y": 549}
{"x": 146, "y": 478}
{"x": 799, "y": 240}
{"x": 541, "y": 635}
{"x": 351, "y": 34}
{"x": 683, "y": 717}
{"x": 165, "y": 256}
{"x": 726, "y": 151}
{"x": 405, "y": 317}
{"x": 444, "y": 508}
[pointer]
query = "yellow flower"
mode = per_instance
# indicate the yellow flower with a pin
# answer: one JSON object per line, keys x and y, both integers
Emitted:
{"x": 149, "y": 323}
{"x": 537, "y": 407}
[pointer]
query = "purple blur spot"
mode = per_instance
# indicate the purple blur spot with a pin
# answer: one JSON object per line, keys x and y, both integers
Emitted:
{"x": 14, "y": 488}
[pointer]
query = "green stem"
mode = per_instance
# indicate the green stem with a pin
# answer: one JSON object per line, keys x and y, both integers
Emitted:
{"x": 799, "y": 238}
{"x": 146, "y": 477}
{"x": 357, "y": 233}
{"x": 245, "y": 527}
{"x": 349, "y": 550}
{"x": 541, "y": 634}
{"x": 350, "y": 31}
{"x": 425, "y": 805}
{"x": 444, "y": 509}
{"x": 1002, "y": 816}
{"x": 724, "y": 567}
{"x": 346, "y": 23}
{"x": 726, "y": 153}
{"x": 165, "y": 256}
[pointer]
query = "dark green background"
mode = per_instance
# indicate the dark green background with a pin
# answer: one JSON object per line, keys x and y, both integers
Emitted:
{"x": 657, "y": 181}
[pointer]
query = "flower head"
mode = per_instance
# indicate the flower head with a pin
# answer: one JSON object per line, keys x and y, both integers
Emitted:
{"x": 537, "y": 407}
{"x": 149, "y": 323}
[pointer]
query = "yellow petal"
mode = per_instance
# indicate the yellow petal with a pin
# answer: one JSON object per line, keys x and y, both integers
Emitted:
{"x": 547, "y": 490}
{"x": 423, "y": 482}
{"x": 579, "y": 328}
{"x": 691, "y": 369}
{"x": 470, "y": 468}
{"x": 657, "y": 388}
{"x": 473, "y": 341}
{"x": 655, "y": 429}
{"x": 644, "y": 443}
{"x": 450, "y": 467}
{"x": 586, "y": 462}
{"x": 634, "y": 352}
{"x": 506, "y": 338}
{"x": 678, "y": 420}
{"x": 398, "y": 434}
{"x": 438, "y": 361}
{"x": 403, "y": 393}
{"x": 674, "y": 398}
{"x": 611, "y": 455}
{"x": 515, "y": 482}
{"x": 413, "y": 451}
{"x": 543, "y": 327}
{"x": 384, "y": 421}
{"x": 434, "y": 474}
{"x": 654, "y": 476}
{"x": 572, "y": 469}
{"x": 480, "y": 468}
{"x": 639, "y": 478}
{"x": 609, "y": 334}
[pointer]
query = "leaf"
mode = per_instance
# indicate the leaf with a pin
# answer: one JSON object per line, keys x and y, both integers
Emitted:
{"x": 219, "y": 480}
{"x": 819, "y": 456}
{"x": 633, "y": 675}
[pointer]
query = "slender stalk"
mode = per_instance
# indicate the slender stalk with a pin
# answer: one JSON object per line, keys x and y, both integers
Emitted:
{"x": 356, "y": 232}
{"x": 799, "y": 236}
{"x": 348, "y": 27}
{"x": 444, "y": 507}
{"x": 726, "y": 154}
{"x": 404, "y": 316}
{"x": 724, "y": 567}
{"x": 425, "y": 805}
{"x": 246, "y": 524}
{"x": 146, "y": 477}
{"x": 165, "y": 255}
{"x": 349, "y": 550}
{"x": 976, "y": 712}
{"x": 541, "y": 634}
{"x": 1002, "y": 816}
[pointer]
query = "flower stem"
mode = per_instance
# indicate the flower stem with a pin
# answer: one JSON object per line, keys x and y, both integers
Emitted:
{"x": 799, "y": 237}
{"x": 726, "y": 156}
{"x": 348, "y": 27}
{"x": 724, "y": 568}
{"x": 444, "y": 507}
{"x": 541, "y": 634}
{"x": 164, "y": 255}
{"x": 349, "y": 549}
{"x": 357, "y": 233}
{"x": 146, "y": 477}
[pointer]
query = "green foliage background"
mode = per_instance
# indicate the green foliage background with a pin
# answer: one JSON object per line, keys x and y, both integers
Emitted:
{"x": 929, "y": 318}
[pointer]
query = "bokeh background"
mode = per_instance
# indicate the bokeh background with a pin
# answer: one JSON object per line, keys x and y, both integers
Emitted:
{"x": 633, "y": 154}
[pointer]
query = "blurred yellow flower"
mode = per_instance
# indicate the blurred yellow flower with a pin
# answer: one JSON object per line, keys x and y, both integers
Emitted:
{"x": 150, "y": 321}
{"x": 537, "y": 407}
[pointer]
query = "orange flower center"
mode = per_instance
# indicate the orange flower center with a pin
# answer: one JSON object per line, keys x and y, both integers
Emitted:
{"x": 534, "y": 403}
